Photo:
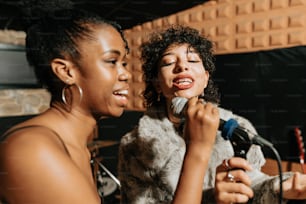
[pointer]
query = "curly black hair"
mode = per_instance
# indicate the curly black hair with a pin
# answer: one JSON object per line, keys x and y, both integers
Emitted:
{"x": 56, "y": 35}
{"x": 159, "y": 41}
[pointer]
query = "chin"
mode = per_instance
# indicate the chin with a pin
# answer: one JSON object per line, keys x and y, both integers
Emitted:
{"x": 186, "y": 95}
{"x": 117, "y": 113}
{"x": 114, "y": 114}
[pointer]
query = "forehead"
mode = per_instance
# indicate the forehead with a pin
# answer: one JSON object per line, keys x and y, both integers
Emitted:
{"x": 101, "y": 39}
{"x": 184, "y": 47}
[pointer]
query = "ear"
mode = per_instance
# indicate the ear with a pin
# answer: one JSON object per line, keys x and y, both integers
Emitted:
{"x": 63, "y": 69}
{"x": 206, "y": 78}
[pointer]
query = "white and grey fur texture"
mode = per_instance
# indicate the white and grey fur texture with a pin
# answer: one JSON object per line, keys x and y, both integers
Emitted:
{"x": 151, "y": 157}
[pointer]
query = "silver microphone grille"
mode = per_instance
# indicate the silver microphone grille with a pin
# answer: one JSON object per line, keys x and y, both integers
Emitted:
{"x": 178, "y": 105}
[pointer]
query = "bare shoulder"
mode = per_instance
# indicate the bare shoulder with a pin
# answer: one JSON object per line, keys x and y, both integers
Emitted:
{"x": 26, "y": 140}
{"x": 27, "y": 148}
{"x": 38, "y": 169}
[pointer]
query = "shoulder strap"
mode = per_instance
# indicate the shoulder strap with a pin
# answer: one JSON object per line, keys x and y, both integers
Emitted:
{"x": 6, "y": 134}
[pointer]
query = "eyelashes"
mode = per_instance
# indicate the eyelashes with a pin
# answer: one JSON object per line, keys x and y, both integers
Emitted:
{"x": 115, "y": 62}
{"x": 124, "y": 64}
{"x": 165, "y": 64}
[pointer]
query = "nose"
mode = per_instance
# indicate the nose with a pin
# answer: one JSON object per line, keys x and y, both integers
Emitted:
{"x": 125, "y": 75}
{"x": 181, "y": 66}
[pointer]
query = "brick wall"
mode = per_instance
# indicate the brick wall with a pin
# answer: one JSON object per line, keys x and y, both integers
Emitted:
{"x": 14, "y": 102}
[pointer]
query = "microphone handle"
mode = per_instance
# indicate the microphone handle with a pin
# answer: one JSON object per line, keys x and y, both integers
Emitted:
{"x": 240, "y": 145}
{"x": 239, "y": 138}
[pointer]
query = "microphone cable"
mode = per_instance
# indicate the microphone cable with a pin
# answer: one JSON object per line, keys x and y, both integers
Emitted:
{"x": 241, "y": 146}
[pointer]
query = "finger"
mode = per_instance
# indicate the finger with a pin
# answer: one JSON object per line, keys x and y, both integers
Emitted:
{"x": 192, "y": 101}
{"x": 226, "y": 164}
{"x": 296, "y": 182}
{"x": 239, "y": 163}
{"x": 212, "y": 109}
{"x": 238, "y": 188}
{"x": 220, "y": 176}
{"x": 234, "y": 194}
{"x": 240, "y": 198}
{"x": 202, "y": 112}
{"x": 229, "y": 177}
{"x": 201, "y": 100}
{"x": 240, "y": 176}
{"x": 209, "y": 113}
{"x": 193, "y": 107}
{"x": 235, "y": 176}
{"x": 234, "y": 163}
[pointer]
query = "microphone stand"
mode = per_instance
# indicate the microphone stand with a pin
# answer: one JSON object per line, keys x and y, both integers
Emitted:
{"x": 109, "y": 173}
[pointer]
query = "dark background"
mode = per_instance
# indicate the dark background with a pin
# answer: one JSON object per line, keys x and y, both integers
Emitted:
{"x": 269, "y": 89}
{"x": 127, "y": 13}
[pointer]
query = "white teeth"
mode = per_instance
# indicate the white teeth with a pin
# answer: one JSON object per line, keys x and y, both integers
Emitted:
{"x": 185, "y": 80}
{"x": 122, "y": 92}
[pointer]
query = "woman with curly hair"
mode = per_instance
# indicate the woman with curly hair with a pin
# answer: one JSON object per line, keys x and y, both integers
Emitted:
{"x": 154, "y": 158}
{"x": 154, "y": 151}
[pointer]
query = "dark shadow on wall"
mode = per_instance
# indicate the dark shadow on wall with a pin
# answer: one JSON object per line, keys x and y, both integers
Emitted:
{"x": 269, "y": 89}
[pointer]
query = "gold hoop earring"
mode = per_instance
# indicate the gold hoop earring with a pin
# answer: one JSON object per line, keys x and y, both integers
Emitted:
{"x": 80, "y": 92}
{"x": 64, "y": 95}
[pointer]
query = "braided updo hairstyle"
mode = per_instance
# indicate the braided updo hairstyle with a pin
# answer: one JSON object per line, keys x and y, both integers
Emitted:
{"x": 54, "y": 32}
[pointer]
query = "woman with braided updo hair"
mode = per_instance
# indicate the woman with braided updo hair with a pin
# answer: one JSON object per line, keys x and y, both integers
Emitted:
{"x": 80, "y": 59}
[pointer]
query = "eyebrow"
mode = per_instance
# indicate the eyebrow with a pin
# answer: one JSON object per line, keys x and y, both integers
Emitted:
{"x": 171, "y": 53}
{"x": 168, "y": 53}
{"x": 117, "y": 52}
{"x": 113, "y": 51}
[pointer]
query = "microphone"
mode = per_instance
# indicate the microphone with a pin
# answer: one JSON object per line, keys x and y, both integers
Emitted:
{"x": 230, "y": 129}
{"x": 240, "y": 138}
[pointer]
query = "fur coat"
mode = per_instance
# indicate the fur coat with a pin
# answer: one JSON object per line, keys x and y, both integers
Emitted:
{"x": 152, "y": 154}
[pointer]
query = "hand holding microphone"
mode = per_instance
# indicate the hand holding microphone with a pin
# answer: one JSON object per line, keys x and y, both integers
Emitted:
{"x": 232, "y": 183}
{"x": 201, "y": 121}
{"x": 229, "y": 128}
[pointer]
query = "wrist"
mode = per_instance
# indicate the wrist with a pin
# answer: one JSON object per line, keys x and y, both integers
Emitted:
{"x": 199, "y": 151}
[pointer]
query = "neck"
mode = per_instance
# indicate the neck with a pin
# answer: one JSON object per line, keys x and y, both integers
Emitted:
{"x": 75, "y": 126}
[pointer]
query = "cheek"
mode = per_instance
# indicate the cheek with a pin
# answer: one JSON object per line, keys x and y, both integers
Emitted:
{"x": 165, "y": 76}
{"x": 202, "y": 78}
{"x": 106, "y": 77}
{"x": 162, "y": 80}
{"x": 100, "y": 83}
{"x": 165, "y": 84}
{"x": 202, "y": 85}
